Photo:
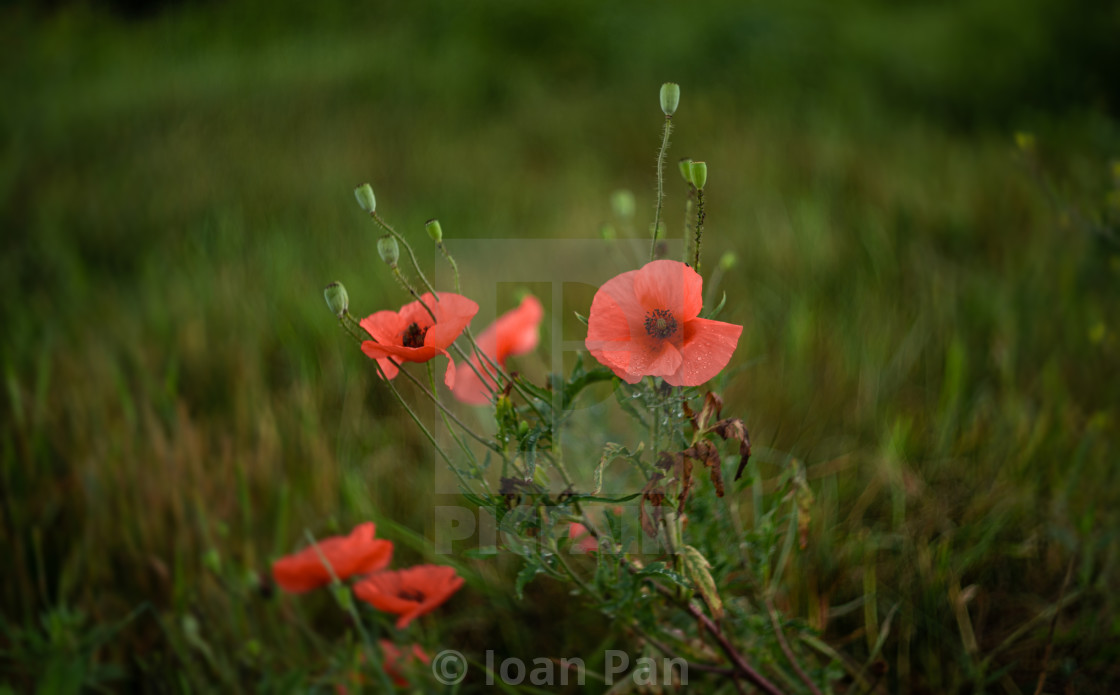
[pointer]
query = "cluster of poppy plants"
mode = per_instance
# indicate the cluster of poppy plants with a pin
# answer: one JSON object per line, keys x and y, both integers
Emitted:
{"x": 644, "y": 322}
{"x": 407, "y": 593}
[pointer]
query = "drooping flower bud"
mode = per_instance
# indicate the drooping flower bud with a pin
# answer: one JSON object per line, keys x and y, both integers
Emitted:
{"x": 434, "y": 230}
{"x": 698, "y": 172}
{"x": 337, "y": 299}
{"x": 366, "y": 201}
{"x": 670, "y": 97}
{"x": 622, "y": 202}
{"x": 686, "y": 169}
{"x": 389, "y": 250}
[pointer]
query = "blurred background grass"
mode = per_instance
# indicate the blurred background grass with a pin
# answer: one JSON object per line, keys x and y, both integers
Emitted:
{"x": 926, "y": 327}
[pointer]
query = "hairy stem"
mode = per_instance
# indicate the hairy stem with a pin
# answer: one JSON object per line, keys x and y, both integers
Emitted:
{"x": 660, "y": 183}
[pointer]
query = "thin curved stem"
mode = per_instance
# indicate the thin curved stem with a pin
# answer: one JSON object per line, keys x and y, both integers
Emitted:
{"x": 408, "y": 247}
{"x": 660, "y": 183}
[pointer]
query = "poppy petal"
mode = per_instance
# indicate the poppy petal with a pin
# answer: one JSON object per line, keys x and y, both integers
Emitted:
{"x": 399, "y": 352}
{"x": 358, "y": 553}
{"x": 453, "y": 314}
{"x": 469, "y": 388}
{"x": 385, "y": 327}
{"x": 609, "y": 323}
{"x": 708, "y": 346}
{"x": 516, "y": 332}
{"x": 670, "y": 285}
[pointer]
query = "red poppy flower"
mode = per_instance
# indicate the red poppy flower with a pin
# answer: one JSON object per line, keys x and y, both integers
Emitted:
{"x": 411, "y": 335}
{"x": 410, "y": 592}
{"x": 393, "y": 661}
{"x": 358, "y": 553}
{"x": 397, "y": 660}
{"x": 582, "y": 538}
{"x": 513, "y": 333}
{"x": 646, "y": 322}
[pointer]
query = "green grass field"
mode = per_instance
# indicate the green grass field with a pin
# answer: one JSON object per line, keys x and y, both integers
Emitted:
{"x": 932, "y": 315}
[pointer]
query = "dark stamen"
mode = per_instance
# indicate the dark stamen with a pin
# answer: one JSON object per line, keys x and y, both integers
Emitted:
{"x": 414, "y": 336}
{"x": 412, "y": 595}
{"x": 660, "y": 323}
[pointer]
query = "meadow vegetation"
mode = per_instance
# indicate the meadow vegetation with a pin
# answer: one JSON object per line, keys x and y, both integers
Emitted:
{"x": 930, "y": 311}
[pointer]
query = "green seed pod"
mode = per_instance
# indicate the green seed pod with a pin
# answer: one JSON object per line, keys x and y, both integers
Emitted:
{"x": 685, "y": 166}
{"x": 366, "y": 201}
{"x": 389, "y": 250}
{"x": 434, "y": 230}
{"x": 670, "y": 97}
{"x": 337, "y": 299}
{"x": 698, "y": 171}
{"x": 622, "y": 202}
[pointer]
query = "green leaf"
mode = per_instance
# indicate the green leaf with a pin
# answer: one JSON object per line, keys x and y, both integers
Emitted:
{"x": 719, "y": 307}
{"x": 611, "y": 451}
{"x": 700, "y": 572}
{"x": 658, "y": 569}
{"x": 531, "y": 569}
{"x": 528, "y": 445}
{"x": 627, "y": 406}
{"x": 582, "y": 381}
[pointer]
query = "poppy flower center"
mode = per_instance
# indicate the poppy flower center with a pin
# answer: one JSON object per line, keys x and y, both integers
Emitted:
{"x": 412, "y": 595}
{"x": 414, "y": 336}
{"x": 660, "y": 323}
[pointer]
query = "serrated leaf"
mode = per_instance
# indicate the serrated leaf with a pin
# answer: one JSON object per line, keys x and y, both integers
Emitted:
{"x": 611, "y": 451}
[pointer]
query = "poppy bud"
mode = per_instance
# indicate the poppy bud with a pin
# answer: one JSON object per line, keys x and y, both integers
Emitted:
{"x": 337, "y": 299}
{"x": 389, "y": 250}
{"x": 622, "y": 202}
{"x": 670, "y": 97}
{"x": 685, "y": 165}
{"x": 728, "y": 260}
{"x": 698, "y": 172}
{"x": 434, "y": 230}
{"x": 366, "y": 201}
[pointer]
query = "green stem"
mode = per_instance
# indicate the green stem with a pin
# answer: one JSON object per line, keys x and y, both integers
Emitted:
{"x": 412, "y": 413}
{"x": 688, "y": 223}
{"x": 349, "y": 607}
{"x": 699, "y": 227}
{"x": 458, "y": 440}
{"x": 454, "y": 265}
{"x": 412, "y": 291}
{"x": 660, "y": 183}
{"x": 408, "y": 247}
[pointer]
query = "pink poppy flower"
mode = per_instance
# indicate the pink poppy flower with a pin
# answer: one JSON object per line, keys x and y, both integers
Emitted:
{"x": 646, "y": 322}
{"x": 515, "y": 332}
